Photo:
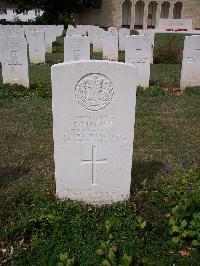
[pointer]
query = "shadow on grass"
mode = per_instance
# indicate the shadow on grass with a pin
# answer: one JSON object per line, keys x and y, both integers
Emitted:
{"x": 11, "y": 174}
{"x": 144, "y": 170}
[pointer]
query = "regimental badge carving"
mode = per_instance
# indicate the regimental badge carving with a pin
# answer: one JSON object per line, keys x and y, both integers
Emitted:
{"x": 94, "y": 92}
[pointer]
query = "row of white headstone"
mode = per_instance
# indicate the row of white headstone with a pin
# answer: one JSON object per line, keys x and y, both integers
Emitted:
{"x": 138, "y": 50}
{"x": 14, "y": 49}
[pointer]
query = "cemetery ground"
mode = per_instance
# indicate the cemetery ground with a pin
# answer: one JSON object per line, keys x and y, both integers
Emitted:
{"x": 158, "y": 226}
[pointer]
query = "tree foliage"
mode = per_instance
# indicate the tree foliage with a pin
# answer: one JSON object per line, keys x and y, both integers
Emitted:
{"x": 55, "y": 8}
{"x": 62, "y": 6}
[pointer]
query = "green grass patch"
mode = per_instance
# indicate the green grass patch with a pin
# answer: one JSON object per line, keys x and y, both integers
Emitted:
{"x": 166, "y": 75}
{"x": 43, "y": 231}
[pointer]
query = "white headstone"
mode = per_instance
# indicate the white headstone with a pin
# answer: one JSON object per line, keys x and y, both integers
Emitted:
{"x": 98, "y": 35}
{"x": 37, "y": 47}
{"x": 110, "y": 46}
{"x": 49, "y": 39}
{"x": 70, "y": 27}
{"x": 151, "y": 34}
{"x": 60, "y": 30}
{"x": 94, "y": 114}
{"x": 91, "y": 32}
{"x": 123, "y": 33}
{"x": 15, "y": 61}
{"x": 76, "y": 48}
{"x": 52, "y": 30}
{"x": 190, "y": 74}
{"x": 138, "y": 52}
{"x": 71, "y": 31}
{"x": 81, "y": 30}
{"x": 113, "y": 30}
{"x": 2, "y": 35}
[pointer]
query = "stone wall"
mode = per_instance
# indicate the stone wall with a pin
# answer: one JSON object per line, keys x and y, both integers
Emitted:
{"x": 192, "y": 10}
{"x": 111, "y": 13}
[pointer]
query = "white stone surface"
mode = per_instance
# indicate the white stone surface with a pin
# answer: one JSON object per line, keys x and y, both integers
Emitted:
{"x": 70, "y": 27}
{"x": 49, "y": 39}
{"x": 53, "y": 30}
{"x": 60, "y": 30}
{"x": 174, "y": 24}
{"x": 91, "y": 32}
{"x": 71, "y": 31}
{"x": 98, "y": 35}
{"x": 151, "y": 34}
{"x": 190, "y": 74}
{"x": 12, "y": 30}
{"x": 110, "y": 45}
{"x": 15, "y": 61}
{"x": 37, "y": 47}
{"x": 94, "y": 116}
{"x": 2, "y": 35}
{"x": 76, "y": 48}
{"x": 138, "y": 52}
{"x": 123, "y": 33}
{"x": 81, "y": 30}
{"x": 113, "y": 30}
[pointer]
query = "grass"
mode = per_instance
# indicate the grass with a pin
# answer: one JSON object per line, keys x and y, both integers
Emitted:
{"x": 163, "y": 38}
{"x": 164, "y": 126}
{"x": 36, "y": 229}
{"x": 166, "y": 75}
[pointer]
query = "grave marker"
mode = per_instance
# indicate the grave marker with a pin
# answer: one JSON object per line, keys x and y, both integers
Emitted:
{"x": 37, "y": 47}
{"x": 98, "y": 35}
{"x": 110, "y": 45}
{"x": 15, "y": 61}
{"x": 93, "y": 130}
{"x": 123, "y": 33}
{"x": 190, "y": 74}
{"x": 138, "y": 51}
{"x": 76, "y": 48}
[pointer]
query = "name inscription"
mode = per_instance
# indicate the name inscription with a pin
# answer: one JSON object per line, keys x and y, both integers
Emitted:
{"x": 93, "y": 129}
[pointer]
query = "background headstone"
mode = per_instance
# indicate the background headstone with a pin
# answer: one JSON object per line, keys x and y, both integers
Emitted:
{"x": 190, "y": 74}
{"x": 151, "y": 34}
{"x": 37, "y": 47}
{"x": 81, "y": 30}
{"x": 110, "y": 45}
{"x": 15, "y": 61}
{"x": 76, "y": 48}
{"x": 98, "y": 35}
{"x": 123, "y": 33}
{"x": 49, "y": 39}
{"x": 138, "y": 51}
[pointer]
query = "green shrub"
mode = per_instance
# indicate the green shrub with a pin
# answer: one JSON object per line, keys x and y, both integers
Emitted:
{"x": 192, "y": 91}
{"x": 152, "y": 91}
{"x": 50, "y": 232}
{"x": 168, "y": 53}
{"x": 9, "y": 91}
{"x": 184, "y": 223}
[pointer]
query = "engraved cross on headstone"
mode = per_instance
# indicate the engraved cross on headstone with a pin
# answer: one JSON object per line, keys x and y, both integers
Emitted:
{"x": 94, "y": 163}
{"x": 14, "y": 60}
